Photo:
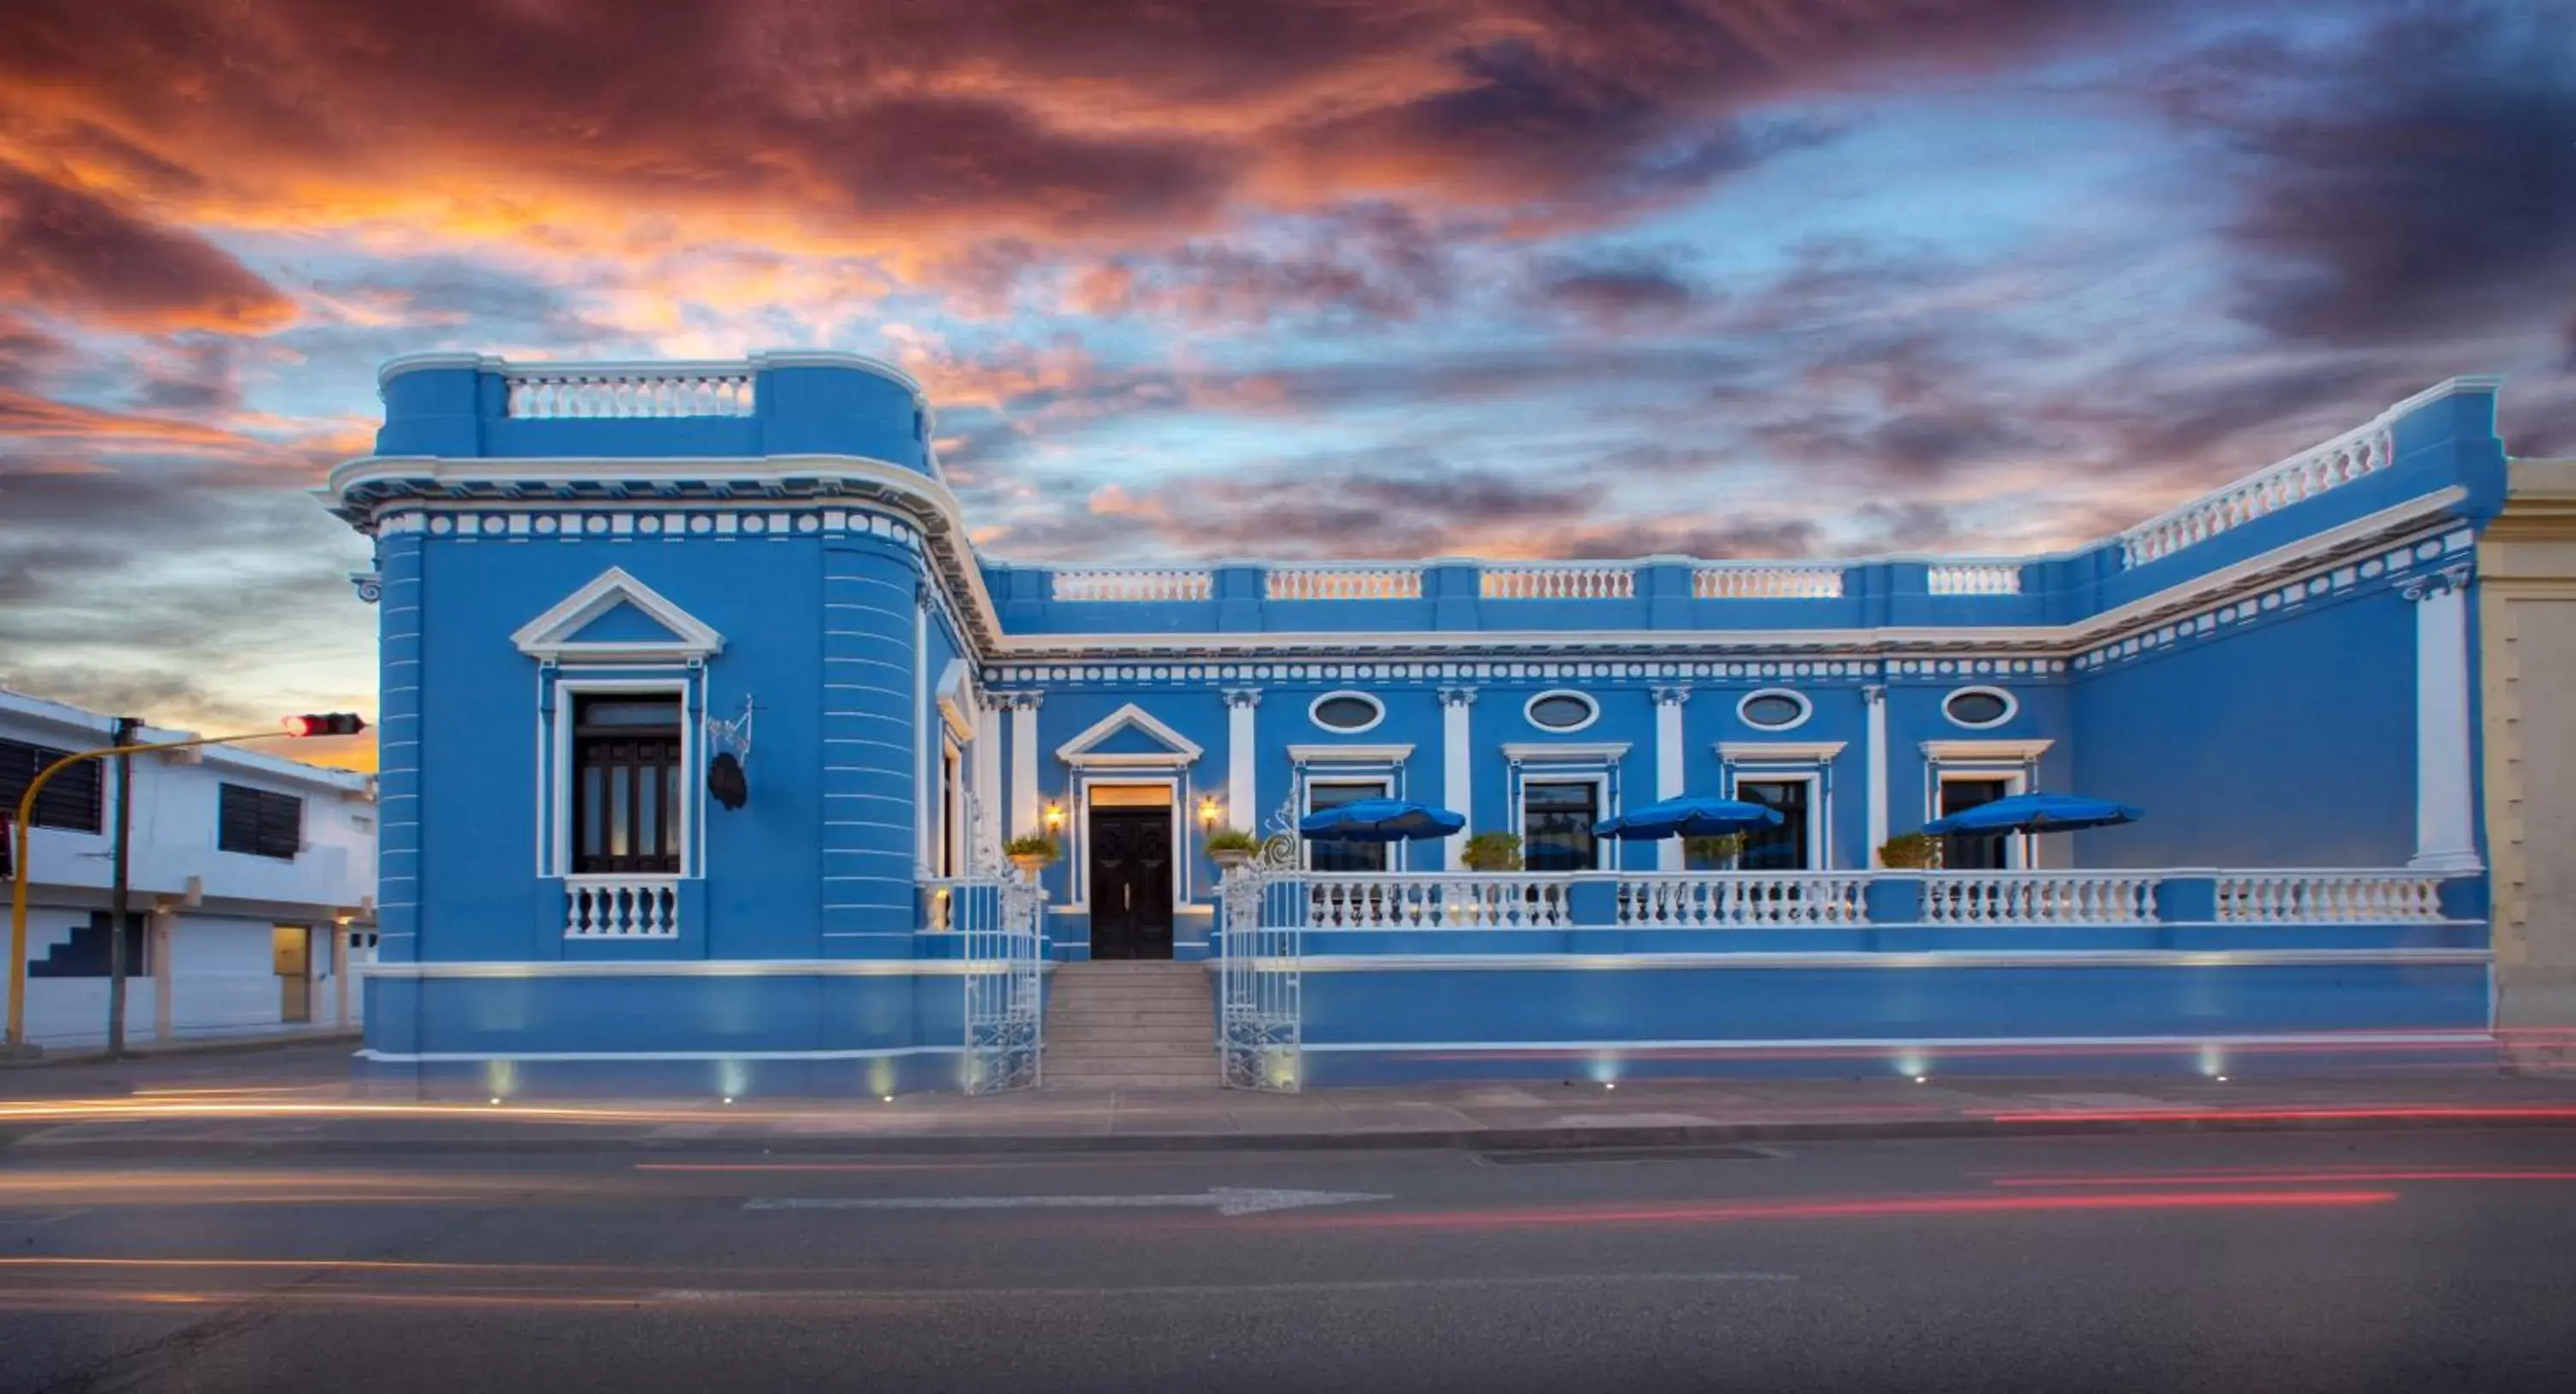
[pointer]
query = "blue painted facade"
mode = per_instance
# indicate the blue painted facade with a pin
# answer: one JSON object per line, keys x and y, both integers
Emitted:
{"x": 2271, "y": 671}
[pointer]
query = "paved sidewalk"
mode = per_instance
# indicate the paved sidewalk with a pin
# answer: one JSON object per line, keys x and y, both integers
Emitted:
{"x": 301, "y": 1101}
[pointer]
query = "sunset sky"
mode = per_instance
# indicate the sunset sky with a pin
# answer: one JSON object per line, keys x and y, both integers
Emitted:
{"x": 1332, "y": 278}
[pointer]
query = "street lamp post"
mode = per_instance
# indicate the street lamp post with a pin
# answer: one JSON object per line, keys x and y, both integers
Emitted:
{"x": 15, "y": 1043}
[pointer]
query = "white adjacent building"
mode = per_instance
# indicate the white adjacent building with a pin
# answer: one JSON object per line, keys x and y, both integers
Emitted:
{"x": 251, "y": 884}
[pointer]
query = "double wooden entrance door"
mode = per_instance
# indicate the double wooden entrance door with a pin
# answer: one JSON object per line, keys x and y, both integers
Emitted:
{"x": 1131, "y": 883}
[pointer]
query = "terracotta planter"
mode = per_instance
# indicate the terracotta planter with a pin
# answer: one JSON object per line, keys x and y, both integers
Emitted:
{"x": 1030, "y": 863}
{"x": 1230, "y": 858}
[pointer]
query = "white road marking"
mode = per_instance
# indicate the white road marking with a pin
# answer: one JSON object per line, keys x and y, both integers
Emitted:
{"x": 1225, "y": 1200}
{"x": 1194, "y": 1290}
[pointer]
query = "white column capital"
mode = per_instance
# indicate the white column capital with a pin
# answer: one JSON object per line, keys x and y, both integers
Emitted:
{"x": 1670, "y": 694}
{"x": 1457, "y": 696}
{"x": 2433, "y": 585}
{"x": 1242, "y": 697}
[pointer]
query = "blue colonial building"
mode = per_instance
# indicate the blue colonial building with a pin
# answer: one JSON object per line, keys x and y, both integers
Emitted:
{"x": 704, "y": 726}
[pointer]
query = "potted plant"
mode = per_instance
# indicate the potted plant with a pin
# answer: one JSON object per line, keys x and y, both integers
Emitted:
{"x": 1031, "y": 854}
{"x": 1719, "y": 851}
{"x": 1914, "y": 851}
{"x": 1492, "y": 852}
{"x": 1231, "y": 847}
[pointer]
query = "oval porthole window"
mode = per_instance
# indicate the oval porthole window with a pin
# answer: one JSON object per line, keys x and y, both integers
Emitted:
{"x": 1978, "y": 707}
{"x": 1562, "y": 711}
{"x": 1773, "y": 709}
{"x": 1346, "y": 711}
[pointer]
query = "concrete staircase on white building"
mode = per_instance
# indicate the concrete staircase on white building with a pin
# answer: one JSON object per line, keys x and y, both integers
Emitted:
{"x": 1131, "y": 1025}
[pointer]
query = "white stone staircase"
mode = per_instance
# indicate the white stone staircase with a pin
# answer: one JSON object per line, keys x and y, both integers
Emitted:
{"x": 1131, "y": 1025}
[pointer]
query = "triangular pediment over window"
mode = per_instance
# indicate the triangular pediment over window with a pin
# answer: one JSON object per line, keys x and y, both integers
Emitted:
{"x": 1128, "y": 736}
{"x": 617, "y": 619}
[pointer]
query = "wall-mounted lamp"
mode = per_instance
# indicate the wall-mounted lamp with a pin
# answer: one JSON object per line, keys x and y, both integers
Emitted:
{"x": 1054, "y": 817}
{"x": 1208, "y": 813}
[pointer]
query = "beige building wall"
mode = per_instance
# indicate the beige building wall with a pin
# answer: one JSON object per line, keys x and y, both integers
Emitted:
{"x": 2527, "y": 618}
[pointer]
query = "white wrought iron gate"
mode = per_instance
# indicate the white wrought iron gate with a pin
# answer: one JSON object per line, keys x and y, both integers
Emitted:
{"x": 1005, "y": 994}
{"x": 1259, "y": 1018}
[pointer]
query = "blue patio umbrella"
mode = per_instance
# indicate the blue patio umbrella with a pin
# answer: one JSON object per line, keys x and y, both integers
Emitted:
{"x": 1379, "y": 820}
{"x": 1688, "y": 817}
{"x": 2036, "y": 813}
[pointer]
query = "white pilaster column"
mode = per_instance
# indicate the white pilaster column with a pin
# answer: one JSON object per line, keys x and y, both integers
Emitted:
{"x": 1025, "y": 813}
{"x": 988, "y": 778}
{"x": 1875, "y": 698}
{"x": 925, "y": 743}
{"x": 1242, "y": 800}
{"x": 1669, "y": 765}
{"x": 1457, "y": 791}
{"x": 2445, "y": 816}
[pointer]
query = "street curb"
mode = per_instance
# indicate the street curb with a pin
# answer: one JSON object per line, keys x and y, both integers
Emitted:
{"x": 568, "y": 1139}
{"x": 211, "y": 1045}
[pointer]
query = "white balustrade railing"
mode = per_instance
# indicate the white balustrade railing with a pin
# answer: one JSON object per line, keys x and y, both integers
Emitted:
{"x": 2329, "y": 897}
{"x": 2301, "y": 477}
{"x": 1976, "y": 578}
{"x": 621, "y": 907}
{"x": 1567, "y": 581}
{"x": 1360, "y": 900}
{"x": 661, "y": 390}
{"x": 1133, "y": 583}
{"x": 2040, "y": 897}
{"x": 1343, "y": 583}
{"x": 1759, "y": 582}
{"x": 1716, "y": 900}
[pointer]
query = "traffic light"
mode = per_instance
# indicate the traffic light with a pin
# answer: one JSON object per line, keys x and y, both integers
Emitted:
{"x": 325, "y": 724}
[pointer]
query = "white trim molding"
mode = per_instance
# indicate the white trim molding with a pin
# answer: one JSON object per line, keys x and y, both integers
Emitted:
{"x": 1542, "y": 752}
{"x": 550, "y": 636}
{"x": 1350, "y": 754}
{"x": 955, "y": 691}
{"x": 1806, "y": 708}
{"x": 1780, "y": 752}
{"x": 2012, "y": 706}
{"x": 1530, "y": 707}
{"x": 1376, "y": 704}
{"x": 1077, "y": 752}
{"x": 1997, "y": 751}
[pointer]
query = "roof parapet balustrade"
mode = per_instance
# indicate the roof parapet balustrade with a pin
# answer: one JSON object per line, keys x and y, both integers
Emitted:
{"x": 454, "y": 406}
{"x": 1766, "y": 581}
{"x": 579, "y": 392}
{"x": 2297, "y": 479}
{"x": 1558, "y": 581}
{"x": 1974, "y": 578}
{"x": 1132, "y": 583}
{"x": 1344, "y": 581}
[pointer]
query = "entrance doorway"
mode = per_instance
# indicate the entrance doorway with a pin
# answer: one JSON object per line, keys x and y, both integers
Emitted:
{"x": 1131, "y": 882}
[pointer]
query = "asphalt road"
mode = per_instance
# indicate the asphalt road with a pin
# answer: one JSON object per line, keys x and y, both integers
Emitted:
{"x": 2425, "y": 1261}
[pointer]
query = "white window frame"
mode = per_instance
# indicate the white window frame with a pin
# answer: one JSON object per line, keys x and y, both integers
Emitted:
{"x": 1387, "y": 782}
{"x": 1078, "y": 837}
{"x": 2012, "y": 707}
{"x": 954, "y": 855}
{"x": 1820, "y": 792}
{"x": 2016, "y": 780}
{"x": 554, "y": 774}
{"x": 1530, "y": 708}
{"x": 1806, "y": 709}
{"x": 1602, "y": 847}
{"x": 1313, "y": 707}
{"x": 1780, "y": 760}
